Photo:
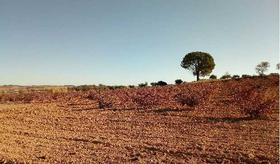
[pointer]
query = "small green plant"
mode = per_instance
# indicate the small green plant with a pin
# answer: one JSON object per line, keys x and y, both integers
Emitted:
{"x": 213, "y": 77}
{"x": 274, "y": 74}
{"x": 143, "y": 84}
{"x": 178, "y": 81}
{"x": 82, "y": 88}
{"x": 116, "y": 87}
{"x": 278, "y": 66}
{"x": 153, "y": 83}
{"x": 131, "y": 86}
{"x": 159, "y": 83}
{"x": 246, "y": 76}
{"x": 235, "y": 77}
{"x": 226, "y": 76}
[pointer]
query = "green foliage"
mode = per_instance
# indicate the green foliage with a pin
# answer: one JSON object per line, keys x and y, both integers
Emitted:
{"x": 200, "y": 63}
{"x": 246, "y": 76}
{"x": 226, "y": 76}
{"x": 159, "y": 83}
{"x": 116, "y": 87}
{"x": 262, "y": 67}
{"x": 143, "y": 84}
{"x": 131, "y": 86}
{"x": 153, "y": 83}
{"x": 278, "y": 66}
{"x": 84, "y": 87}
{"x": 102, "y": 87}
{"x": 213, "y": 77}
{"x": 235, "y": 77}
{"x": 274, "y": 74}
{"x": 178, "y": 81}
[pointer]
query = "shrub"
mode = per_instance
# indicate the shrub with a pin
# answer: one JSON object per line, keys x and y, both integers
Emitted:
{"x": 153, "y": 84}
{"x": 259, "y": 109}
{"x": 178, "y": 81}
{"x": 102, "y": 87}
{"x": 161, "y": 83}
{"x": 146, "y": 99}
{"x": 189, "y": 100}
{"x": 102, "y": 103}
{"x": 131, "y": 86}
{"x": 235, "y": 77}
{"x": 213, "y": 77}
{"x": 274, "y": 74}
{"x": 92, "y": 96}
{"x": 83, "y": 87}
{"x": 143, "y": 84}
{"x": 116, "y": 87}
{"x": 226, "y": 76}
{"x": 246, "y": 76}
{"x": 255, "y": 102}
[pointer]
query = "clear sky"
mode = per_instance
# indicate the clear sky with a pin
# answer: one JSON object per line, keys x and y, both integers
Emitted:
{"x": 131, "y": 41}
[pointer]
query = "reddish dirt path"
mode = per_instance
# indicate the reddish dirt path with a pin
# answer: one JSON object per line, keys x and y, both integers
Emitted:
{"x": 48, "y": 133}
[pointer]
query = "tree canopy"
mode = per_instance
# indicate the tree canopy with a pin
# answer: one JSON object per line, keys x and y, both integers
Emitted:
{"x": 200, "y": 63}
{"x": 262, "y": 67}
{"x": 278, "y": 66}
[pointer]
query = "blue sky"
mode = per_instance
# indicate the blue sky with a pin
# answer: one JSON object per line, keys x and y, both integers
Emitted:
{"x": 118, "y": 42}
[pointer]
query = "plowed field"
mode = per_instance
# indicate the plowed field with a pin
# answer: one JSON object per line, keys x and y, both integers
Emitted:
{"x": 213, "y": 132}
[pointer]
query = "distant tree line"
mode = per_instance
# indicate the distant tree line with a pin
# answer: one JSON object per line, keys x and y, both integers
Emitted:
{"x": 202, "y": 64}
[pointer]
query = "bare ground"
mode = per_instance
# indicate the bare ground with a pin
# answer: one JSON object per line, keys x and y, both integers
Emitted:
{"x": 53, "y": 133}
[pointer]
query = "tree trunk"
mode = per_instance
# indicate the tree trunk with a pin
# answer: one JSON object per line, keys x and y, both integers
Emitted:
{"x": 197, "y": 73}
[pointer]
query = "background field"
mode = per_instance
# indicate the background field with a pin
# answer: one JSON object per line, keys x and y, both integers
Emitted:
{"x": 137, "y": 125}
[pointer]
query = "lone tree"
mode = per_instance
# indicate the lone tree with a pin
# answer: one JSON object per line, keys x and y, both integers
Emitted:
{"x": 278, "y": 66}
{"x": 200, "y": 63}
{"x": 262, "y": 67}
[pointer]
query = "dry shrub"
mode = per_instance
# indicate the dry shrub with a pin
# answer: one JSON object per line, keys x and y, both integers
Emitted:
{"x": 193, "y": 95}
{"x": 255, "y": 102}
{"x": 116, "y": 99}
{"x": 146, "y": 99}
{"x": 92, "y": 95}
{"x": 103, "y": 103}
{"x": 185, "y": 99}
{"x": 18, "y": 97}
